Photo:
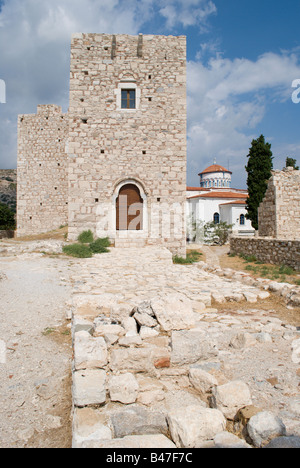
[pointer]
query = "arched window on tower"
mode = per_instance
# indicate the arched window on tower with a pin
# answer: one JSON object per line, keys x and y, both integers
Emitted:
{"x": 242, "y": 219}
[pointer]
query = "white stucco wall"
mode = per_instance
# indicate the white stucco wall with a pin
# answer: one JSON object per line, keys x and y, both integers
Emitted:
{"x": 202, "y": 211}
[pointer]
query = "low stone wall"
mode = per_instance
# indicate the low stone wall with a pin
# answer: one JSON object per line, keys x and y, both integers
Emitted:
{"x": 7, "y": 234}
{"x": 274, "y": 251}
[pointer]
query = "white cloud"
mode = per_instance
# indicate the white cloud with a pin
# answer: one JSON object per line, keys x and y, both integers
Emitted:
{"x": 35, "y": 51}
{"x": 187, "y": 12}
{"x": 228, "y": 99}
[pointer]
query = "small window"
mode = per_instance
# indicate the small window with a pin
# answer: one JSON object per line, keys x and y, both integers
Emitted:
{"x": 128, "y": 99}
{"x": 216, "y": 218}
{"x": 242, "y": 219}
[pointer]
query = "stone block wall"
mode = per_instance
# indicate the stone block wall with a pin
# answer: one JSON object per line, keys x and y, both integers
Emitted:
{"x": 279, "y": 213}
{"x": 145, "y": 146}
{"x": 274, "y": 251}
{"x": 42, "y": 186}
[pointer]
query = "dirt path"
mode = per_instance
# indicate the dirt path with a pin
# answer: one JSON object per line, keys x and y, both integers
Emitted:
{"x": 35, "y": 370}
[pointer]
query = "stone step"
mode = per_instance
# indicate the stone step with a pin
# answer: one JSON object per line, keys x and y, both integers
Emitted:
{"x": 125, "y": 243}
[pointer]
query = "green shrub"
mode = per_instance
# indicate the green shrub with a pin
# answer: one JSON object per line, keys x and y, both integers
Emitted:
{"x": 100, "y": 245}
{"x": 86, "y": 237}
{"x": 7, "y": 218}
{"x": 78, "y": 250}
{"x": 286, "y": 270}
{"x": 248, "y": 258}
{"x": 191, "y": 257}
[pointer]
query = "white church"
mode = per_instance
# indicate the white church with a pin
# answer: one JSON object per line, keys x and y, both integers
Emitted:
{"x": 215, "y": 200}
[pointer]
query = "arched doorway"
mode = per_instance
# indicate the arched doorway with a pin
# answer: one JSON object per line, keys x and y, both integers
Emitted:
{"x": 129, "y": 209}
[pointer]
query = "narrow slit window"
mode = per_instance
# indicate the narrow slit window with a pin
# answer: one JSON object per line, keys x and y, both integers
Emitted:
{"x": 128, "y": 99}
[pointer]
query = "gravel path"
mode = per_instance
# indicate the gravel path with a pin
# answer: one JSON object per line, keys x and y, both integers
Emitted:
{"x": 35, "y": 361}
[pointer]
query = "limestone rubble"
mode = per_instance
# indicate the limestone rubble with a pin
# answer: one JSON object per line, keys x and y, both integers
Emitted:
{"x": 187, "y": 368}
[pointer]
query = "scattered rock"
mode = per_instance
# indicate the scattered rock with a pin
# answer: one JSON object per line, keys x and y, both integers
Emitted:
{"x": 162, "y": 363}
{"x": 227, "y": 440}
{"x": 135, "y": 420}
{"x": 156, "y": 441}
{"x": 89, "y": 352}
{"x": 123, "y": 388}
{"x": 263, "y": 427}
{"x": 145, "y": 320}
{"x": 147, "y": 332}
{"x": 192, "y": 426}
{"x": 284, "y": 442}
{"x": 88, "y": 427}
{"x": 201, "y": 380}
{"x": 243, "y": 340}
{"x": 130, "y": 326}
{"x": 296, "y": 351}
{"x": 231, "y": 397}
{"x": 173, "y": 312}
{"x": 89, "y": 387}
{"x": 190, "y": 346}
{"x": 136, "y": 359}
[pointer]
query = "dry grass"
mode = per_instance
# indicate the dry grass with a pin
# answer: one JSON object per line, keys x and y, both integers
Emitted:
{"x": 57, "y": 234}
{"x": 260, "y": 270}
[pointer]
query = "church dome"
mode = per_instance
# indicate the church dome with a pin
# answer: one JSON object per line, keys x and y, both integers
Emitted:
{"x": 215, "y": 176}
{"x": 214, "y": 168}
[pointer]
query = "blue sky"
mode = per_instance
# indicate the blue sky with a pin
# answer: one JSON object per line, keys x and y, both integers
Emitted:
{"x": 242, "y": 59}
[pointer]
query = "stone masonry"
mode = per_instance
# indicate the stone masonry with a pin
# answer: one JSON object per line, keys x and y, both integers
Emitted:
{"x": 279, "y": 213}
{"x": 278, "y": 241}
{"x": 100, "y": 146}
{"x": 42, "y": 194}
{"x": 161, "y": 360}
{"x": 110, "y": 146}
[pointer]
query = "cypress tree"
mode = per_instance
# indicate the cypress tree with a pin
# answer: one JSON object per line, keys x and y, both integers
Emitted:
{"x": 260, "y": 164}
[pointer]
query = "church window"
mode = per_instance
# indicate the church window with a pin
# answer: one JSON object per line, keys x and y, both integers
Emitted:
{"x": 242, "y": 219}
{"x": 216, "y": 218}
{"x": 128, "y": 99}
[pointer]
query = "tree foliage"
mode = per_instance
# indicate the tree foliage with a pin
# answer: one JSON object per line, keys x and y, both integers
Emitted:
{"x": 290, "y": 162}
{"x": 7, "y": 218}
{"x": 259, "y": 166}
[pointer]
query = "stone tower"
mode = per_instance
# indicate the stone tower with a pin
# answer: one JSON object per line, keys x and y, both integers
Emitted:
{"x": 42, "y": 195}
{"x": 116, "y": 162}
{"x": 127, "y": 139}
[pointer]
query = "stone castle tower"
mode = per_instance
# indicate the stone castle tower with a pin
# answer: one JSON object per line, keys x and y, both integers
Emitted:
{"x": 116, "y": 163}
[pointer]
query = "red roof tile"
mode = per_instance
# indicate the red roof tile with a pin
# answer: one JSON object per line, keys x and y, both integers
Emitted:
{"x": 215, "y": 168}
{"x": 221, "y": 195}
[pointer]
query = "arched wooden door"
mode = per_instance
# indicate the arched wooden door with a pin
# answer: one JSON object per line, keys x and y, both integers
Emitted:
{"x": 129, "y": 209}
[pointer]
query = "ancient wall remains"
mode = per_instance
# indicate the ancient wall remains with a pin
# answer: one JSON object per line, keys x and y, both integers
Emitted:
{"x": 145, "y": 145}
{"x": 278, "y": 240}
{"x": 274, "y": 251}
{"x": 279, "y": 213}
{"x": 42, "y": 186}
